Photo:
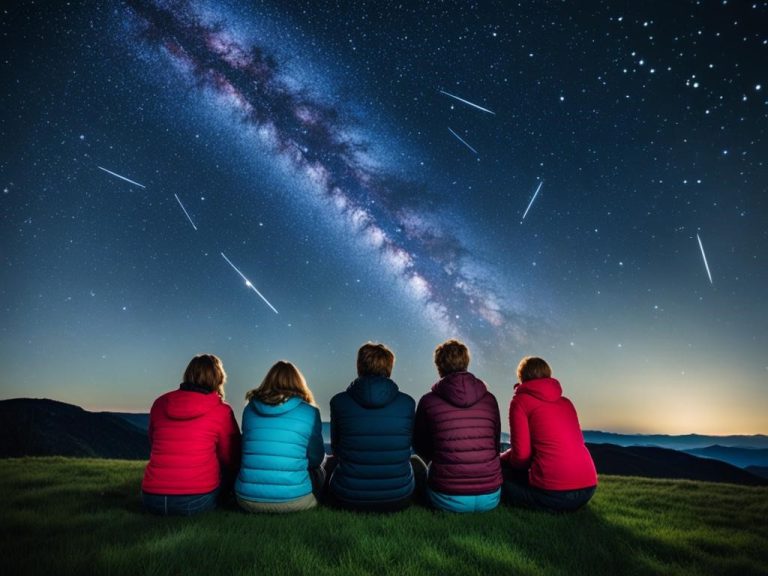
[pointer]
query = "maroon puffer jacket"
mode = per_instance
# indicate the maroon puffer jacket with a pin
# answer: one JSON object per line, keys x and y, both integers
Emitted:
{"x": 457, "y": 428}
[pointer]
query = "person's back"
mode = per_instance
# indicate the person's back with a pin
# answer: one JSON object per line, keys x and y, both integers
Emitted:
{"x": 457, "y": 431}
{"x": 371, "y": 431}
{"x": 195, "y": 443}
{"x": 554, "y": 446}
{"x": 282, "y": 444}
{"x": 555, "y": 470}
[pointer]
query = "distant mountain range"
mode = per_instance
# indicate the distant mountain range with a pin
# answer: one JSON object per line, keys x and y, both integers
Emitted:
{"x": 32, "y": 427}
{"x": 741, "y": 457}
{"x": 683, "y": 442}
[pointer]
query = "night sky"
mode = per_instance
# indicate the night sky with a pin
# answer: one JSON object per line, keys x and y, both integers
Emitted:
{"x": 367, "y": 167}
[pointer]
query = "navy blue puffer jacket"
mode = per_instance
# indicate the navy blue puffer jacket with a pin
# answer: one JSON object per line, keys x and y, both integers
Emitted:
{"x": 371, "y": 430}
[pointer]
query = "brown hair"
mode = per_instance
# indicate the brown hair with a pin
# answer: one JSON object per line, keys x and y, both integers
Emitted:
{"x": 282, "y": 382}
{"x": 206, "y": 371}
{"x": 532, "y": 368}
{"x": 451, "y": 356}
{"x": 375, "y": 359}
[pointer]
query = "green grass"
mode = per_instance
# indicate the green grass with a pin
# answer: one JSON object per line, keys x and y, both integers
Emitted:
{"x": 68, "y": 516}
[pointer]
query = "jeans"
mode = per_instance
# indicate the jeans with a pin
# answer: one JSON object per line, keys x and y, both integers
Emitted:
{"x": 179, "y": 505}
{"x": 517, "y": 492}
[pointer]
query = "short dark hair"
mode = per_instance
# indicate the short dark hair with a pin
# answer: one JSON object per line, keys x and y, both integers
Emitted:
{"x": 451, "y": 356}
{"x": 374, "y": 359}
{"x": 532, "y": 368}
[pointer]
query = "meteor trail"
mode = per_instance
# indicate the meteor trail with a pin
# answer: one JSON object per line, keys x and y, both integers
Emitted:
{"x": 248, "y": 282}
{"x": 531, "y": 202}
{"x": 185, "y": 212}
{"x": 462, "y": 140}
{"x": 121, "y": 177}
{"x": 704, "y": 256}
{"x": 467, "y": 102}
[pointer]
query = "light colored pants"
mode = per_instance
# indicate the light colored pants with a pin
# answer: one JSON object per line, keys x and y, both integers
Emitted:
{"x": 298, "y": 505}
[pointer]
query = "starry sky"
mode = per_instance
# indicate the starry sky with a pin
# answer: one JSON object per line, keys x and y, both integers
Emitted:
{"x": 267, "y": 180}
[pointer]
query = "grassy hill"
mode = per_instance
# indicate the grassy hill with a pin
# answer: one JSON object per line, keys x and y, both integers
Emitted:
{"x": 72, "y": 516}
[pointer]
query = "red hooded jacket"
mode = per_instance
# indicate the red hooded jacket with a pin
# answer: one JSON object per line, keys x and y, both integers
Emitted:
{"x": 458, "y": 429}
{"x": 545, "y": 435}
{"x": 195, "y": 444}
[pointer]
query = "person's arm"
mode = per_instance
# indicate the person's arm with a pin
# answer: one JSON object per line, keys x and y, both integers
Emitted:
{"x": 228, "y": 449}
{"x": 151, "y": 428}
{"x": 316, "y": 448}
{"x": 520, "y": 436}
{"x": 422, "y": 439}
{"x": 334, "y": 430}
{"x": 497, "y": 423}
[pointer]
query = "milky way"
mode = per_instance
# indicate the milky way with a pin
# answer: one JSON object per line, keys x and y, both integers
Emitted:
{"x": 311, "y": 137}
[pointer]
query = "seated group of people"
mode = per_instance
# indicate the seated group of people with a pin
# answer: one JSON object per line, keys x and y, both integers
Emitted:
{"x": 386, "y": 452}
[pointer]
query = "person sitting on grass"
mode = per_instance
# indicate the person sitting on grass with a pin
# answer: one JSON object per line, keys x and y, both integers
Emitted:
{"x": 195, "y": 443}
{"x": 283, "y": 451}
{"x": 457, "y": 431}
{"x": 547, "y": 467}
{"x": 371, "y": 430}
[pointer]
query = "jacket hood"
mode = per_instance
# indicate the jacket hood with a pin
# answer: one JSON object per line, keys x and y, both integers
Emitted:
{"x": 186, "y": 405}
{"x": 545, "y": 389}
{"x": 274, "y": 409}
{"x": 373, "y": 391}
{"x": 461, "y": 389}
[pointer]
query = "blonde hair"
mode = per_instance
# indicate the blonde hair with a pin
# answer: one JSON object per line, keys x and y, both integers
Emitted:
{"x": 283, "y": 381}
{"x": 532, "y": 368}
{"x": 451, "y": 356}
{"x": 375, "y": 359}
{"x": 206, "y": 371}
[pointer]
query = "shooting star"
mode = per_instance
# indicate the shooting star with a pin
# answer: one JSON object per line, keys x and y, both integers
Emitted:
{"x": 248, "y": 282}
{"x": 704, "y": 256}
{"x": 462, "y": 140}
{"x": 531, "y": 202}
{"x": 185, "y": 212}
{"x": 467, "y": 102}
{"x": 121, "y": 177}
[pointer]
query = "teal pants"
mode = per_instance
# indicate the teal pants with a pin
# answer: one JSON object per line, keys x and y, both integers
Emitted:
{"x": 463, "y": 502}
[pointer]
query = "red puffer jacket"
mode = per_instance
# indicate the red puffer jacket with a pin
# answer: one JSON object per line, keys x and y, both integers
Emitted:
{"x": 545, "y": 435}
{"x": 195, "y": 444}
{"x": 457, "y": 428}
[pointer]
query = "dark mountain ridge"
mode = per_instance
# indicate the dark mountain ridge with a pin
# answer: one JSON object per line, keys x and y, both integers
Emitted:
{"x": 42, "y": 427}
{"x": 656, "y": 462}
{"x": 35, "y": 427}
{"x": 741, "y": 457}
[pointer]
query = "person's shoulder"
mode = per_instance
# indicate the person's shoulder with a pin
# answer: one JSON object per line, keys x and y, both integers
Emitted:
{"x": 404, "y": 398}
{"x": 308, "y": 409}
{"x": 490, "y": 398}
{"x": 223, "y": 409}
{"x": 339, "y": 397}
{"x": 429, "y": 398}
{"x": 160, "y": 401}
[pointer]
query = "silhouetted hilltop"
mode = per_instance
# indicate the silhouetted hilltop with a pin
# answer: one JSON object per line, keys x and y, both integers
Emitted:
{"x": 34, "y": 427}
{"x": 761, "y": 471}
{"x": 138, "y": 419}
{"x": 663, "y": 463}
{"x": 42, "y": 427}
{"x": 741, "y": 457}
